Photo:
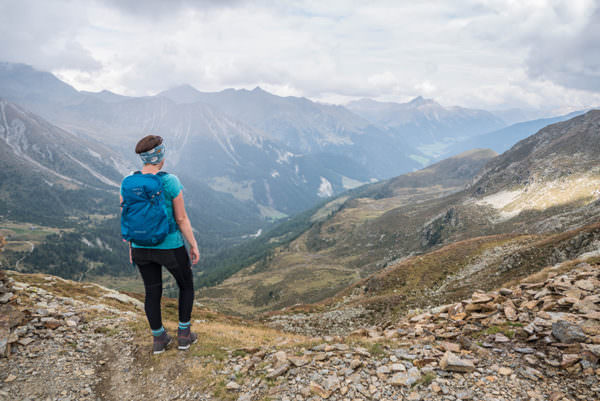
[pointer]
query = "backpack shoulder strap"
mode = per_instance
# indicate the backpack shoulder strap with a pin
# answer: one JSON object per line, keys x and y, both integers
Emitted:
{"x": 162, "y": 173}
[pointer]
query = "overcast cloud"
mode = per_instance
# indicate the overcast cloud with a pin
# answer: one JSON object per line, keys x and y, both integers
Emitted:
{"x": 487, "y": 54}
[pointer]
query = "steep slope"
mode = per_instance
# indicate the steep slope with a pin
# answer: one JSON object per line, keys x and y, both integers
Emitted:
{"x": 58, "y": 198}
{"x": 425, "y": 124}
{"x": 452, "y": 172}
{"x": 558, "y": 151}
{"x": 530, "y": 208}
{"x": 42, "y": 164}
{"x": 337, "y": 246}
{"x": 52, "y": 179}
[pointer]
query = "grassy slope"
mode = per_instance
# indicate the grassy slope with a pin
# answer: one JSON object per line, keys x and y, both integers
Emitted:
{"x": 454, "y": 271}
{"x": 341, "y": 247}
{"x": 388, "y": 223}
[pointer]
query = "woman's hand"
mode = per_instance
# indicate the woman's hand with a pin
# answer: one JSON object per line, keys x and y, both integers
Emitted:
{"x": 130, "y": 255}
{"x": 194, "y": 254}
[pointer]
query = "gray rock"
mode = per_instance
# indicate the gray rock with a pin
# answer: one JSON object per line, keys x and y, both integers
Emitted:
{"x": 567, "y": 332}
{"x": 455, "y": 364}
{"x": 464, "y": 395}
{"x": 126, "y": 299}
{"x": 593, "y": 348}
{"x": 406, "y": 378}
{"x": 4, "y": 347}
{"x": 4, "y": 298}
{"x": 383, "y": 370}
{"x": 232, "y": 386}
{"x": 278, "y": 371}
{"x": 524, "y": 350}
{"x": 331, "y": 383}
{"x": 402, "y": 354}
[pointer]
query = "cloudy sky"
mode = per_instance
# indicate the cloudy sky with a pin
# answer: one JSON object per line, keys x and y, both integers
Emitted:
{"x": 490, "y": 54}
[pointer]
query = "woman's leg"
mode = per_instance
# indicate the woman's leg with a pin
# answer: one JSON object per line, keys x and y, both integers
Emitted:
{"x": 152, "y": 276}
{"x": 181, "y": 269}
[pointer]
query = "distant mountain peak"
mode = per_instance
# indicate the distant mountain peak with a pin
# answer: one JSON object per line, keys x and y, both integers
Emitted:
{"x": 15, "y": 66}
{"x": 184, "y": 93}
{"x": 182, "y": 88}
{"x": 421, "y": 101}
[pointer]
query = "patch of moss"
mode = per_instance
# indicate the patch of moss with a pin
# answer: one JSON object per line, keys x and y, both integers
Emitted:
{"x": 504, "y": 329}
{"x": 220, "y": 391}
{"x": 426, "y": 379}
{"x": 376, "y": 349}
{"x": 239, "y": 352}
{"x": 107, "y": 331}
{"x": 209, "y": 350}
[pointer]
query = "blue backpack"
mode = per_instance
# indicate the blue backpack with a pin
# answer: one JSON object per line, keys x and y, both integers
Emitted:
{"x": 144, "y": 218}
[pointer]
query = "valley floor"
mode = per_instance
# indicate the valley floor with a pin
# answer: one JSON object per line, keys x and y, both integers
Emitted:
{"x": 538, "y": 340}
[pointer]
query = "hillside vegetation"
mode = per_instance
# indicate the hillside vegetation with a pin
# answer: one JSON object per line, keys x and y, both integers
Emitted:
{"x": 541, "y": 187}
{"x": 336, "y": 245}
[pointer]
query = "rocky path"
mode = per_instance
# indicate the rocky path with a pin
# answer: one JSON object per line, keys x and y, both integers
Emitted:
{"x": 56, "y": 347}
{"x": 539, "y": 340}
{"x": 32, "y": 245}
{"x": 52, "y": 344}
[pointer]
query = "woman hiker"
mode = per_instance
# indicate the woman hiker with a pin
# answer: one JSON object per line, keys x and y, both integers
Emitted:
{"x": 156, "y": 239}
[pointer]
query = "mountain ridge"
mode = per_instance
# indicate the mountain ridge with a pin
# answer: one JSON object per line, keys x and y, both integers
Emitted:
{"x": 425, "y": 123}
{"x": 380, "y": 228}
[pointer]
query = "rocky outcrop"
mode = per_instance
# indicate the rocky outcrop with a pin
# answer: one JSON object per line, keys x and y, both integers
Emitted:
{"x": 537, "y": 340}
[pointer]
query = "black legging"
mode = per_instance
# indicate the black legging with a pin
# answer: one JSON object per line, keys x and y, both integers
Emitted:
{"x": 177, "y": 262}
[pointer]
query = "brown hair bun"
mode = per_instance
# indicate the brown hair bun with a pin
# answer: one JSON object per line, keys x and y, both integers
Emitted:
{"x": 147, "y": 143}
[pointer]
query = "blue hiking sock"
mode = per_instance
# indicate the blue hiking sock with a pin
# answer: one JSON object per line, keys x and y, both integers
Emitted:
{"x": 158, "y": 333}
{"x": 183, "y": 326}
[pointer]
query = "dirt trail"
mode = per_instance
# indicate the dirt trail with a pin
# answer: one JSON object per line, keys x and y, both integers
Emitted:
{"x": 24, "y": 256}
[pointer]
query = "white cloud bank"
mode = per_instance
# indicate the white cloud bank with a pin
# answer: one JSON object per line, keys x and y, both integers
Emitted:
{"x": 486, "y": 54}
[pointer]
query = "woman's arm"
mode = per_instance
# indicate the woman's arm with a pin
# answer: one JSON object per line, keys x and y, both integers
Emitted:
{"x": 129, "y": 243}
{"x": 185, "y": 226}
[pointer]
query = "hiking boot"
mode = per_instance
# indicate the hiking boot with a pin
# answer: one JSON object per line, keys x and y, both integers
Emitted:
{"x": 161, "y": 343}
{"x": 185, "y": 338}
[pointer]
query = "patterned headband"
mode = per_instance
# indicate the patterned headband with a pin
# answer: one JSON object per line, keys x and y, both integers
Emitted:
{"x": 155, "y": 155}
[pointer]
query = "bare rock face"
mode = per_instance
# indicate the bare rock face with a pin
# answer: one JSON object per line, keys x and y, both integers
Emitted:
{"x": 568, "y": 333}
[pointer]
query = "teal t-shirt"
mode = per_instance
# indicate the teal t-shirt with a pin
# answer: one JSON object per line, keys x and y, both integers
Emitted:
{"x": 172, "y": 187}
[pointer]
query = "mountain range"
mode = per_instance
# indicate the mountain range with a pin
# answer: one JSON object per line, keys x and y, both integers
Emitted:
{"x": 247, "y": 158}
{"x": 382, "y": 250}
{"x": 277, "y": 171}
{"x": 427, "y": 125}
{"x": 46, "y": 169}
{"x": 400, "y": 239}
